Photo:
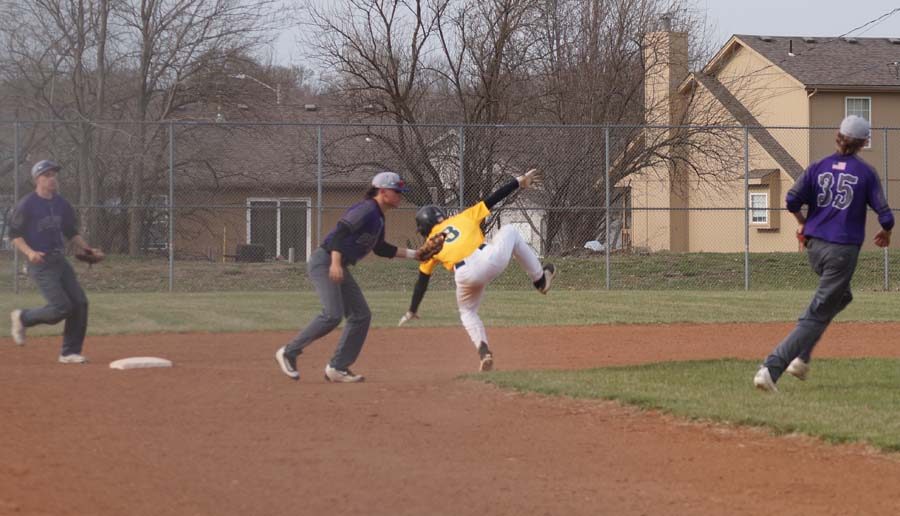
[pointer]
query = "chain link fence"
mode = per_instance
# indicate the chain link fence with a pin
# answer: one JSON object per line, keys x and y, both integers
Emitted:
{"x": 194, "y": 207}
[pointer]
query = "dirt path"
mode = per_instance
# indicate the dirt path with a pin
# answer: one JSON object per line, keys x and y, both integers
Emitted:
{"x": 224, "y": 433}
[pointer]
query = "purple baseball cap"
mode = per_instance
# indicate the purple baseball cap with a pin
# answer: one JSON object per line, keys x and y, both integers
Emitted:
{"x": 44, "y": 166}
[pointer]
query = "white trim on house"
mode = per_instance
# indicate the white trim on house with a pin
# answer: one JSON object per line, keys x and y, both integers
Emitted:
{"x": 867, "y": 115}
{"x": 278, "y": 201}
{"x": 759, "y": 215}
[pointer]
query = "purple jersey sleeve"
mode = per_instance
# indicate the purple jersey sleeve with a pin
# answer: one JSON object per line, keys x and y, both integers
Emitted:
{"x": 880, "y": 205}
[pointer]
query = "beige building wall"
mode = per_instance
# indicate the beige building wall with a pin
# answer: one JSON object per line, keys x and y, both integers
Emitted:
{"x": 212, "y": 232}
{"x": 775, "y": 98}
{"x": 718, "y": 221}
{"x": 650, "y": 221}
{"x": 724, "y": 231}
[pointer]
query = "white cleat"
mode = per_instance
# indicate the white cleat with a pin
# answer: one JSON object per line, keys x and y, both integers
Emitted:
{"x": 342, "y": 375}
{"x": 763, "y": 380}
{"x": 16, "y": 328}
{"x": 798, "y": 368}
{"x": 74, "y": 358}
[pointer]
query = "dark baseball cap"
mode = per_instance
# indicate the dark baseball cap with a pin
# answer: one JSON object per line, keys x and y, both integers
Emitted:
{"x": 44, "y": 166}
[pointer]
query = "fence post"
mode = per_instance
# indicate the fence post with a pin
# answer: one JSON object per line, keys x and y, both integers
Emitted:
{"x": 462, "y": 168}
{"x": 746, "y": 208}
{"x": 15, "y": 201}
{"x": 318, "y": 185}
{"x": 887, "y": 261}
{"x": 171, "y": 207}
{"x": 606, "y": 204}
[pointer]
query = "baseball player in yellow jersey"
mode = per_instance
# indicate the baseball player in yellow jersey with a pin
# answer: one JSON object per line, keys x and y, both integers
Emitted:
{"x": 474, "y": 262}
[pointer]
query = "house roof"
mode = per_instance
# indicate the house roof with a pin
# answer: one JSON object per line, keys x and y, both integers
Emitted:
{"x": 829, "y": 63}
{"x": 263, "y": 155}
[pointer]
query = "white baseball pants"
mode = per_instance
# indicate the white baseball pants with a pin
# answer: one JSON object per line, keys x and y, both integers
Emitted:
{"x": 481, "y": 267}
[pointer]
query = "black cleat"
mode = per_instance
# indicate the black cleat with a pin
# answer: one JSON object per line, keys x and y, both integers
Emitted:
{"x": 287, "y": 364}
{"x": 543, "y": 284}
{"x": 487, "y": 358}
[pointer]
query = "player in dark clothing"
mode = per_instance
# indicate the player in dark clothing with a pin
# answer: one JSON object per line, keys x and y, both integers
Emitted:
{"x": 41, "y": 223}
{"x": 837, "y": 190}
{"x": 360, "y": 230}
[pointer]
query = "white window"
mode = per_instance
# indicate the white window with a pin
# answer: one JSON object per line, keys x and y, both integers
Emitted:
{"x": 861, "y": 107}
{"x": 759, "y": 208}
{"x": 280, "y": 225}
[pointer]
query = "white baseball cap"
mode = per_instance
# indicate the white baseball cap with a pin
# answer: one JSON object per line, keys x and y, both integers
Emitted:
{"x": 856, "y": 127}
{"x": 389, "y": 180}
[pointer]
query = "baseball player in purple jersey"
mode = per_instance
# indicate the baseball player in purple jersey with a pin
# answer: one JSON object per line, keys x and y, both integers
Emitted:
{"x": 360, "y": 231}
{"x": 40, "y": 226}
{"x": 837, "y": 191}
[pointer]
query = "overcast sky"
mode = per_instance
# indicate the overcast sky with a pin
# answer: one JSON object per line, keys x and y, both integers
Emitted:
{"x": 762, "y": 17}
{"x": 796, "y": 18}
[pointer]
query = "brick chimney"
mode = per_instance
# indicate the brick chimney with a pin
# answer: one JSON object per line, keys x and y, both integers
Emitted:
{"x": 666, "y": 62}
{"x": 666, "y": 59}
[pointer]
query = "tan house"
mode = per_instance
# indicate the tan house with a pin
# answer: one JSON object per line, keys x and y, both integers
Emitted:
{"x": 262, "y": 185}
{"x": 790, "y": 93}
{"x": 275, "y": 186}
{"x": 265, "y": 188}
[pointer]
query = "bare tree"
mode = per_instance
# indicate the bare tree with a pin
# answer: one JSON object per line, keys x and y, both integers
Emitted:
{"x": 486, "y": 63}
{"x": 93, "y": 62}
{"x": 414, "y": 62}
{"x": 598, "y": 54}
{"x": 167, "y": 40}
{"x": 55, "y": 55}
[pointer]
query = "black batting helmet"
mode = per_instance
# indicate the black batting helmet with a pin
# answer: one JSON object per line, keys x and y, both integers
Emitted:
{"x": 427, "y": 217}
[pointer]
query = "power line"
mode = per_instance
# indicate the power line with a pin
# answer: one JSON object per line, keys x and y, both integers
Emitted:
{"x": 876, "y": 20}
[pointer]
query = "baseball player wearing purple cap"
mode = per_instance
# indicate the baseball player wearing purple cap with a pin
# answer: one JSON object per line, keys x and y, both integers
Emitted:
{"x": 359, "y": 231}
{"x": 40, "y": 225}
{"x": 837, "y": 191}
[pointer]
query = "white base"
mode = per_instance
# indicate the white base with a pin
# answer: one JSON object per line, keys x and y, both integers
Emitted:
{"x": 140, "y": 363}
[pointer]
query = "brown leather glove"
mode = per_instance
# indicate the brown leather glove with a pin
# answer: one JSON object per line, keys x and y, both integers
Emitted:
{"x": 431, "y": 247}
{"x": 90, "y": 256}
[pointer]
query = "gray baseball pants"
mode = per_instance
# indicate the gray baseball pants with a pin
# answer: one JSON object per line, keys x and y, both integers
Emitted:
{"x": 835, "y": 265}
{"x": 339, "y": 300}
{"x": 56, "y": 280}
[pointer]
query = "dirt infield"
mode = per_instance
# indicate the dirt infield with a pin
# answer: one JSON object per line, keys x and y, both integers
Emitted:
{"x": 225, "y": 433}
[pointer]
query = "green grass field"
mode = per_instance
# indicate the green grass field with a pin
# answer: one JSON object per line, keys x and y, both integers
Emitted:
{"x": 116, "y": 313}
{"x": 656, "y": 271}
{"x": 848, "y": 400}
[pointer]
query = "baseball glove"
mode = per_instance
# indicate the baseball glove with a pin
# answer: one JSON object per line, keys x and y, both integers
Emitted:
{"x": 89, "y": 257}
{"x": 431, "y": 247}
